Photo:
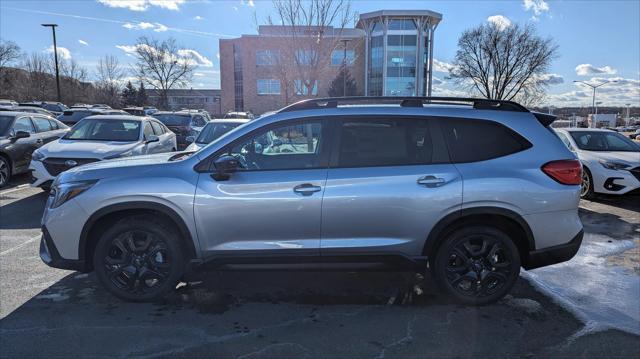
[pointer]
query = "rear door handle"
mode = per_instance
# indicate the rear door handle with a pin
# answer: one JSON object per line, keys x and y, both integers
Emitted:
{"x": 306, "y": 189}
{"x": 431, "y": 181}
{"x": 39, "y": 140}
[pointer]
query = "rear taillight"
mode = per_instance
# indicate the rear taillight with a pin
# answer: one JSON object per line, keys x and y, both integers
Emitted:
{"x": 564, "y": 171}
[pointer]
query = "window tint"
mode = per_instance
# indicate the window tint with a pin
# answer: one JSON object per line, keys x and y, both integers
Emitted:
{"x": 53, "y": 124}
{"x": 23, "y": 124}
{"x": 565, "y": 140}
{"x": 479, "y": 140}
{"x": 285, "y": 147}
{"x": 148, "y": 130}
{"x": 157, "y": 129}
{"x": 385, "y": 143}
{"x": 42, "y": 124}
{"x": 603, "y": 141}
{"x": 198, "y": 121}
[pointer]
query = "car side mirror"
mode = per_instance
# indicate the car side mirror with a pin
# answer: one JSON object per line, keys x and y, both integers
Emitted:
{"x": 151, "y": 138}
{"x": 190, "y": 139}
{"x": 21, "y": 134}
{"x": 224, "y": 167}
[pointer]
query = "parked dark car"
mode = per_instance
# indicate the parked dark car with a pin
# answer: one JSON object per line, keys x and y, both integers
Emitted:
{"x": 246, "y": 115}
{"x": 29, "y": 109}
{"x": 135, "y": 111}
{"x": 183, "y": 124}
{"x": 20, "y": 134}
{"x": 72, "y": 116}
{"x": 56, "y": 108}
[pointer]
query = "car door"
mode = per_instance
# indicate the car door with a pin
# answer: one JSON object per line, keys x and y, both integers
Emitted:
{"x": 273, "y": 203}
{"x": 164, "y": 143}
{"x": 389, "y": 183}
{"x": 47, "y": 129}
{"x": 23, "y": 148}
{"x": 151, "y": 147}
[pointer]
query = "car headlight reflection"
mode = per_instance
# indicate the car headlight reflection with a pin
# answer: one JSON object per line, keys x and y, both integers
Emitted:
{"x": 63, "y": 192}
{"x": 616, "y": 166}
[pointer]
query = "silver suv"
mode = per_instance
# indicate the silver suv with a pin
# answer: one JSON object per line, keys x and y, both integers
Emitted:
{"x": 471, "y": 189}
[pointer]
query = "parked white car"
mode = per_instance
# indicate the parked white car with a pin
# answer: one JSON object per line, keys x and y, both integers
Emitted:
{"x": 611, "y": 162}
{"x": 97, "y": 138}
{"x": 212, "y": 131}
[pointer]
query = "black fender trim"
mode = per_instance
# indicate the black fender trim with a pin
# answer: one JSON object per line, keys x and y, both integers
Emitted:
{"x": 556, "y": 254}
{"x": 136, "y": 205}
{"x": 441, "y": 226}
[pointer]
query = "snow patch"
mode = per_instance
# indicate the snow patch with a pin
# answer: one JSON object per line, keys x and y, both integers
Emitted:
{"x": 529, "y": 305}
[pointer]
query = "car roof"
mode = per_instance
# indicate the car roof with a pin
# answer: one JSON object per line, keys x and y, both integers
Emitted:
{"x": 117, "y": 117}
{"x": 229, "y": 120}
{"x": 180, "y": 113}
{"x": 581, "y": 129}
{"x": 14, "y": 113}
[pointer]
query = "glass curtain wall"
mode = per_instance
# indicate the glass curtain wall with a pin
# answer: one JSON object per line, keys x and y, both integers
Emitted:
{"x": 377, "y": 60}
{"x": 401, "y": 58}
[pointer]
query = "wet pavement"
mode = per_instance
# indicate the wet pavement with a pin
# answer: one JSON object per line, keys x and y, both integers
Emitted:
{"x": 561, "y": 311}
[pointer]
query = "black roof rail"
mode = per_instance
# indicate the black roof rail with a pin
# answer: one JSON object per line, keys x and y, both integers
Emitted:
{"x": 477, "y": 103}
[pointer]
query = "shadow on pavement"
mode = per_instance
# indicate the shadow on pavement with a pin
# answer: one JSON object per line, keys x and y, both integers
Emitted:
{"x": 630, "y": 202}
{"x": 287, "y": 314}
{"x": 608, "y": 224}
{"x": 24, "y": 213}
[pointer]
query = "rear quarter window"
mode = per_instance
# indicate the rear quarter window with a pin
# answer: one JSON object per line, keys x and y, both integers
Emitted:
{"x": 480, "y": 140}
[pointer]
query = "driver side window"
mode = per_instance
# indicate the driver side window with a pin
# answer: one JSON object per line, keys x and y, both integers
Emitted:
{"x": 292, "y": 147}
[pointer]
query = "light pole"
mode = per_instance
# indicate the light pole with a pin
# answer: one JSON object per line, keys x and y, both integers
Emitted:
{"x": 55, "y": 56}
{"x": 344, "y": 63}
{"x": 593, "y": 101}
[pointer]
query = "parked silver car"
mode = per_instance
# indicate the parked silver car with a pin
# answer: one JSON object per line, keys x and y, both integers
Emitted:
{"x": 471, "y": 189}
{"x": 97, "y": 138}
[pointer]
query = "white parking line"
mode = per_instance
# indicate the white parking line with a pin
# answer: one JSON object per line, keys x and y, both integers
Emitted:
{"x": 17, "y": 188}
{"x": 19, "y": 245}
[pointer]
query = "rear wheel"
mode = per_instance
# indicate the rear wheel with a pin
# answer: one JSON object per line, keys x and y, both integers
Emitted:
{"x": 5, "y": 171}
{"x": 586, "y": 187}
{"x": 139, "y": 259}
{"x": 477, "y": 265}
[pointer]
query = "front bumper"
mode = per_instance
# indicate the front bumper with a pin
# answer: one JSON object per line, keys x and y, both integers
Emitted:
{"x": 614, "y": 181}
{"x": 39, "y": 175}
{"x": 553, "y": 255}
{"x": 51, "y": 257}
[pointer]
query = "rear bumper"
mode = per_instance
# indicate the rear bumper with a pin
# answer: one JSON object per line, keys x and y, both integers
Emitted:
{"x": 51, "y": 257}
{"x": 556, "y": 254}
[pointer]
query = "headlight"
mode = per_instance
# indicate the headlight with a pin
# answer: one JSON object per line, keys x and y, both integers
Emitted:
{"x": 616, "y": 166}
{"x": 37, "y": 156}
{"x": 119, "y": 155}
{"x": 63, "y": 192}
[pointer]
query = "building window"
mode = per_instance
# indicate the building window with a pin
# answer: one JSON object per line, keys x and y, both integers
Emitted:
{"x": 267, "y": 57}
{"x": 337, "y": 56}
{"x": 237, "y": 79}
{"x": 302, "y": 90}
{"x": 305, "y": 57}
{"x": 268, "y": 87}
{"x": 402, "y": 24}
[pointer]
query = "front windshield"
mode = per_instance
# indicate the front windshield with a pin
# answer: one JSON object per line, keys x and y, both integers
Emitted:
{"x": 603, "y": 141}
{"x": 171, "y": 119}
{"x": 5, "y": 123}
{"x": 214, "y": 130}
{"x": 105, "y": 130}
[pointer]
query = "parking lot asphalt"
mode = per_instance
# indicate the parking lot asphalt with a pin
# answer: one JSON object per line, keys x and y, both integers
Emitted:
{"x": 56, "y": 313}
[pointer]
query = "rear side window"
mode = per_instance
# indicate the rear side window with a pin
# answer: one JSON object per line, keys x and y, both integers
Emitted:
{"x": 480, "y": 140}
{"x": 157, "y": 128}
{"x": 42, "y": 124}
{"x": 384, "y": 142}
{"x": 54, "y": 125}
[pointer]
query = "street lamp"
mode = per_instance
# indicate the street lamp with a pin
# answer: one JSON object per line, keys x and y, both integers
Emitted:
{"x": 344, "y": 63}
{"x": 55, "y": 56}
{"x": 594, "y": 87}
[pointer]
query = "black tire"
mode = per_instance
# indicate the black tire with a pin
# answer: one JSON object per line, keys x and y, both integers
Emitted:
{"x": 5, "y": 171}
{"x": 586, "y": 187}
{"x": 139, "y": 259}
{"x": 477, "y": 265}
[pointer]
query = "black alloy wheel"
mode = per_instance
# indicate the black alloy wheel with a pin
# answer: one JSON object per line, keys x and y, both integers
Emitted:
{"x": 478, "y": 265}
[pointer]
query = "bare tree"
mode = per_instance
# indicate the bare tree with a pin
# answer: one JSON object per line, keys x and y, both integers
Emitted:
{"x": 504, "y": 63}
{"x": 75, "y": 87}
{"x": 109, "y": 76}
{"x": 39, "y": 76}
{"x": 9, "y": 53}
{"x": 309, "y": 40}
{"x": 163, "y": 65}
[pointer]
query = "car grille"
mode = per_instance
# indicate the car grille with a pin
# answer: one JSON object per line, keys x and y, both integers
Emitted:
{"x": 635, "y": 172}
{"x": 55, "y": 166}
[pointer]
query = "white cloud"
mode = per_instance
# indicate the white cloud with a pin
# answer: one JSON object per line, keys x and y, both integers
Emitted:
{"x": 588, "y": 69}
{"x": 250, "y": 3}
{"x": 499, "y": 21}
{"x": 537, "y": 6}
{"x": 619, "y": 93}
{"x": 198, "y": 17}
{"x": 199, "y": 59}
{"x": 157, "y": 27}
{"x": 218, "y": 55}
{"x": 198, "y": 74}
{"x": 143, "y": 5}
{"x": 63, "y": 52}
{"x": 247, "y": 2}
{"x": 83, "y": 42}
{"x": 550, "y": 79}
{"x": 441, "y": 66}
{"x": 436, "y": 81}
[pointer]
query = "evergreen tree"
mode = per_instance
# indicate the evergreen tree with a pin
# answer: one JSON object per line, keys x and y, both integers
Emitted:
{"x": 129, "y": 95}
{"x": 143, "y": 98}
{"x": 344, "y": 79}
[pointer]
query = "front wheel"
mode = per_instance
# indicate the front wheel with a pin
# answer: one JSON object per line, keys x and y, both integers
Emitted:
{"x": 5, "y": 171}
{"x": 586, "y": 187}
{"x": 139, "y": 259}
{"x": 477, "y": 265}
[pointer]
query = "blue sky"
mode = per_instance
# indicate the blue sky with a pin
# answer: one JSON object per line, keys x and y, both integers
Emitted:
{"x": 597, "y": 39}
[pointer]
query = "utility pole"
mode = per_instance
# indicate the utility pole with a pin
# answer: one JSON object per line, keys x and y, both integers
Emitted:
{"x": 55, "y": 56}
{"x": 344, "y": 63}
{"x": 593, "y": 100}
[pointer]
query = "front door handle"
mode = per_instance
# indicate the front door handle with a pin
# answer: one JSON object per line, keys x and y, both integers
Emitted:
{"x": 306, "y": 189}
{"x": 431, "y": 181}
{"x": 39, "y": 140}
